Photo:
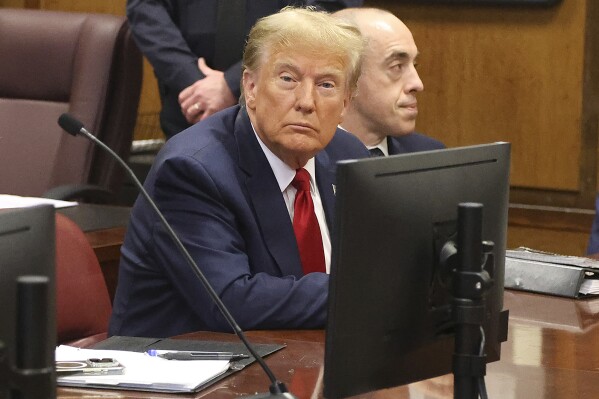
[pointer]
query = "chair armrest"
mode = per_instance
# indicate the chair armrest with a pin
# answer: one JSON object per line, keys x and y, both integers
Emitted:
{"x": 81, "y": 192}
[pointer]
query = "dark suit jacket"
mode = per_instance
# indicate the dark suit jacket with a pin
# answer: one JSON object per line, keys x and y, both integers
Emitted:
{"x": 215, "y": 186}
{"x": 173, "y": 34}
{"x": 413, "y": 142}
{"x": 593, "y": 246}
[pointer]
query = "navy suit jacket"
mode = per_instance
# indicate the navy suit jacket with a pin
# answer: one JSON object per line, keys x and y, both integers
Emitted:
{"x": 413, "y": 142}
{"x": 216, "y": 188}
{"x": 593, "y": 246}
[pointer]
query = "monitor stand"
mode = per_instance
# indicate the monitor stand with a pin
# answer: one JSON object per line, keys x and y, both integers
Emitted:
{"x": 474, "y": 263}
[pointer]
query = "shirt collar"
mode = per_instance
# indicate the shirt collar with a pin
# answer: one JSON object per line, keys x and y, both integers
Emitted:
{"x": 383, "y": 146}
{"x": 283, "y": 172}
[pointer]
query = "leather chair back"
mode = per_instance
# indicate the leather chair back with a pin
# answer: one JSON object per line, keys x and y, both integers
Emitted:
{"x": 54, "y": 62}
{"x": 83, "y": 305}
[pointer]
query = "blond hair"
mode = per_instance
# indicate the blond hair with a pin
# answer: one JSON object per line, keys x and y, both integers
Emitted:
{"x": 309, "y": 29}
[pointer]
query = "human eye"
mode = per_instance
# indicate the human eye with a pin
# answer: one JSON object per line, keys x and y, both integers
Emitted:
{"x": 327, "y": 85}
{"x": 396, "y": 66}
{"x": 286, "y": 80}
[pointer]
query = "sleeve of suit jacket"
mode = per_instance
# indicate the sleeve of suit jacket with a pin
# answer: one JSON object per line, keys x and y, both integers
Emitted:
{"x": 161, "y": 39}
{"x": 593, "y": 246}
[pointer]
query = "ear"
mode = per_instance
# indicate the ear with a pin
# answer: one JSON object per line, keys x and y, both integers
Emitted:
{"x": 346, "y": 102}
{"x": 249, "y": 82}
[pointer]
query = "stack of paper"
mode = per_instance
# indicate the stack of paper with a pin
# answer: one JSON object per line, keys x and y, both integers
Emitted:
{"x": 16, "y": 201}
{"x": 590, "y": 286}
{"x": 142, "y": 372}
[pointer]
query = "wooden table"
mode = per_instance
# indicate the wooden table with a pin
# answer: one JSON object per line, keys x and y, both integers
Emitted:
{"x": 552, "y": 352}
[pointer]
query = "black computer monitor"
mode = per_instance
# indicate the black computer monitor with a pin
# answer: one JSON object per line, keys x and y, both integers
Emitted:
{"x": 27, "y": 303}
{"x": 390, "y": 318}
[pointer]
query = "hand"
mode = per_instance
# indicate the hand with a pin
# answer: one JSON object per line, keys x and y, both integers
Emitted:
{"x": 206, "y": 96}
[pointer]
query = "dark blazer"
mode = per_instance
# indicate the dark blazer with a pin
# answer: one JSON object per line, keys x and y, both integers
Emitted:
{"x": 593, "y": 245}
{"x": 413, "y": 142}
{"x": 173, "y": 34}
{"x": 215, "y": 186}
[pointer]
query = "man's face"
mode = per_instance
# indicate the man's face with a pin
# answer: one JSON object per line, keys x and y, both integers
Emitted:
{"x": 386, "y": 97}
{"x": 295, "y": 101}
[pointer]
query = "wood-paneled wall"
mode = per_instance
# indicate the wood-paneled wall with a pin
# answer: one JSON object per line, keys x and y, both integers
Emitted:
{"x": 527, "y": 75}
{"x": 524, "y": 74}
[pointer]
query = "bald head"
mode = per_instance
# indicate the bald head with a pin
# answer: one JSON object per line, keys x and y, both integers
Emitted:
{"x": 365, "y": 17}
{"x": 385, "y": 103}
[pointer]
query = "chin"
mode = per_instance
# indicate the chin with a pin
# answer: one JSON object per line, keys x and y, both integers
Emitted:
{"x": 305, "y": 144}
{"x": 407, "y": 128}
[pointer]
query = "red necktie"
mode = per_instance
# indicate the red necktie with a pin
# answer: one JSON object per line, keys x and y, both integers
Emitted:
{"x": 305, "y": 225}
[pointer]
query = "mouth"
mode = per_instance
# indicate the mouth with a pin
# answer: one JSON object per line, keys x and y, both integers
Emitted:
{"x": 301, "y": 126}
{"x": 410, "y": 110}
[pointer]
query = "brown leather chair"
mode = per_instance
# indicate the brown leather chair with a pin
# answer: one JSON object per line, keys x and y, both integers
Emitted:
{"x": 54, "y": 62}
{"x": 83, "y": 305}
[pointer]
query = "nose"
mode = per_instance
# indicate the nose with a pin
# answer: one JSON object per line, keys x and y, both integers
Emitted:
{"x": 304, "y": 95}
{"x": 414, "y": 84}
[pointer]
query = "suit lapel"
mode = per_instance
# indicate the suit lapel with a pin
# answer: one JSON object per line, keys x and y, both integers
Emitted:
{"x": 266, "y": 198}
{"x": 325, "y": 179}
{"x": 394, "y": 146}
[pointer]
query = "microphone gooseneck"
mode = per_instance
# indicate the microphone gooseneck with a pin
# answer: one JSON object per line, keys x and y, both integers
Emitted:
{"x": 75, "y": 127}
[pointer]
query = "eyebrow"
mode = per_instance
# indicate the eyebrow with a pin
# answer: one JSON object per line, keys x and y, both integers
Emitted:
{"x": 285, "y": 65}
{"x": 401, "y": 55}
{"x": 328, "y": 73}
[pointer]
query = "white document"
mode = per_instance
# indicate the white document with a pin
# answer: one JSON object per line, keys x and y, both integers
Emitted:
{"x": 548, "y": 257}
{"x": 589, "y": 287}
{"x": 142, "y": 371}
{"x": 16, "y": 201}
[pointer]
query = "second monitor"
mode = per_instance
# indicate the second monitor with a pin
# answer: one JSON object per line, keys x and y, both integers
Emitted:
{"x": 390, "y": 300}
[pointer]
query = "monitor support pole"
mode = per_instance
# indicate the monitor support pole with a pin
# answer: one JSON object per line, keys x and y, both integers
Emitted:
{"x": 471, "y": 281}
{"x": 33, "y": 376}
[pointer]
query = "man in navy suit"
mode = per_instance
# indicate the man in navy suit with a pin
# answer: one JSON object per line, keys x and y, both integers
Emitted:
{"x": 226, "y": 185}
{"x": 383, "y": 113}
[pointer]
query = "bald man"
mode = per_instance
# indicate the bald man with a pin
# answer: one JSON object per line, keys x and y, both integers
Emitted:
{"x": 383, "y": 112}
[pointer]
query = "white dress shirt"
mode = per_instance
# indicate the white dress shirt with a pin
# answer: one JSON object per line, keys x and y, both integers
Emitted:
{"x": 284, "y": 175}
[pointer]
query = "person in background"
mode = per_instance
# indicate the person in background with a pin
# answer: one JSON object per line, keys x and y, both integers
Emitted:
{"x": 195, "y": 48}
{"x": 250, "y": 192}
{"x": 593, "y": 246}
{"x": 383, "y": 112}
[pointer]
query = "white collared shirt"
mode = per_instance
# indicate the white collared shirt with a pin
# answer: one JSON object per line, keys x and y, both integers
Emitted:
{"x": 383, "y": 146}
{"x": 284, "y": 175}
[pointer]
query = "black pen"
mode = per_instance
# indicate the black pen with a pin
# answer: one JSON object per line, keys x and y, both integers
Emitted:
{"x": 184, "y": 355}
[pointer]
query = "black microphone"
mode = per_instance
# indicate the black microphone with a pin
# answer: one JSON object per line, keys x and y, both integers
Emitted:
{"x": 277, "y": 388}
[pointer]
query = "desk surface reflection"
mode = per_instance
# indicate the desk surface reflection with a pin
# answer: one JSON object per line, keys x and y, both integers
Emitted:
{"x": 552, "y": 352}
